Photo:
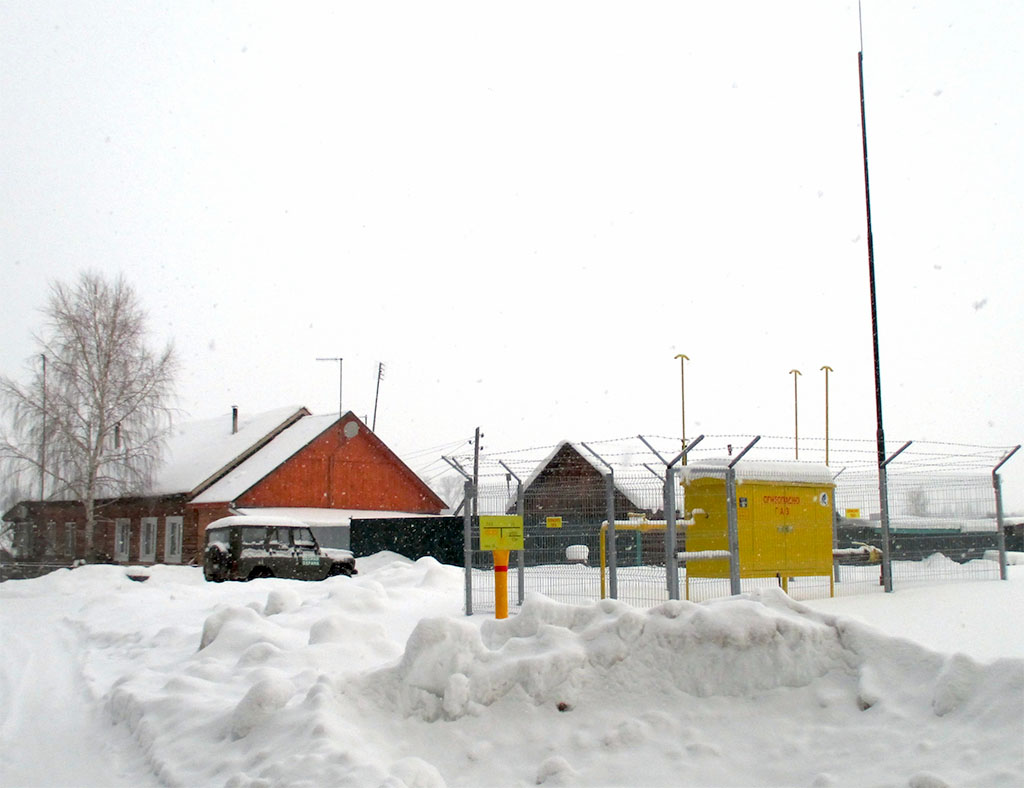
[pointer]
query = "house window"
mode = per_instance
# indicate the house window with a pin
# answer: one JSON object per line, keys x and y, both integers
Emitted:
{"x": 147, "y": 548}
{"x": 122, "y": 538}
{"x": 50, "y": 548}
{"x": 172, "y": 539}
{"x": 69, "y": 540}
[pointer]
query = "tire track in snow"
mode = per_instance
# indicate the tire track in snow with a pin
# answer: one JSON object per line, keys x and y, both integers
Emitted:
{"x": 53, "y": 731}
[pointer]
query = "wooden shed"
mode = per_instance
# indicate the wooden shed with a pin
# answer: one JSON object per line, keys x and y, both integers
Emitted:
{"x": 569, "y": 485}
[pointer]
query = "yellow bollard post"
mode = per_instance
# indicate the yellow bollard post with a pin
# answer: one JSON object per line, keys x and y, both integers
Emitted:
{"x": 501, "y": 534}
{"x": 500, "y": 583}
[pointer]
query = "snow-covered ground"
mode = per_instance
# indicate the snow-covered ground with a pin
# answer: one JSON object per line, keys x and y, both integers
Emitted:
{"x": 379, "y": 680}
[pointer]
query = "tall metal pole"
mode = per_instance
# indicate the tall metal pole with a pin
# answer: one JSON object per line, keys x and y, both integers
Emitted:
{"x": 826, "y": 369}
{"x": 796, "y": 416}
{"x": 340, "y": 380}
{"x": 883, "y": 490}
{"x": 682, "y": 395}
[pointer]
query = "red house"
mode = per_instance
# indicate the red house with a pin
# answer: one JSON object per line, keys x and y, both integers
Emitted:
{"x": 320, "y": 469}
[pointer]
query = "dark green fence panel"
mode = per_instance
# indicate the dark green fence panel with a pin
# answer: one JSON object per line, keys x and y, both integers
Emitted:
{"x": 413, "y": 537}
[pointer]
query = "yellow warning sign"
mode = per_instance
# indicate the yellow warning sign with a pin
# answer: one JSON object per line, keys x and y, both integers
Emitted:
{"x": 501, "y": 532}
{"x": 853, "y": 514}
{"x": 554, "y": 522}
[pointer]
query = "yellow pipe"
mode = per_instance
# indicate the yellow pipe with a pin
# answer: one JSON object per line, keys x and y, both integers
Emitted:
{"x": 501, "y": 583}
{"x": 603, "y": 559}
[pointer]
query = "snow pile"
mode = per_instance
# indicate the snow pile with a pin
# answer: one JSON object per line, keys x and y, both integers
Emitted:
{"x": 378, "y": 680}
{"x": 558, "y": 653}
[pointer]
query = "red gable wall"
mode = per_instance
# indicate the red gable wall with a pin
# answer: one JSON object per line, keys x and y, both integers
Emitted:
{"x": 341, "y": 472}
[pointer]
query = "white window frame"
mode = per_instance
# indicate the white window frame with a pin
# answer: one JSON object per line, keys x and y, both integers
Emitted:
{"x": 147, "y": 540}
{"x": 122, "y": 538}
{"x": 174, "y": 530}
{"x": 70, "y": 540}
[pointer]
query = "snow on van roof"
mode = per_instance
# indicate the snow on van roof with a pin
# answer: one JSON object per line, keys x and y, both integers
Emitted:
{"x": 793, "y": 471}
{"x": 244, "y": 519}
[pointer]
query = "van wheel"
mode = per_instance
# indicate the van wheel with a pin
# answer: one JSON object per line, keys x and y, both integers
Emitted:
{"x": 258, "y": 572}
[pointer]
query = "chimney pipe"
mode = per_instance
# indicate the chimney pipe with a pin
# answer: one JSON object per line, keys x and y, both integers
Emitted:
{"x": 234, "y": 419}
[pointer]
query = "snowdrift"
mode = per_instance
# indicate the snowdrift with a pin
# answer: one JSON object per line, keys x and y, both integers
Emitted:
{"x": 357, "y": 681}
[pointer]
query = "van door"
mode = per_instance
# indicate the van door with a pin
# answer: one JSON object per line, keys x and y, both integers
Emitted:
{"x": 280, "y": 556}
{"x": 307, "y": 556}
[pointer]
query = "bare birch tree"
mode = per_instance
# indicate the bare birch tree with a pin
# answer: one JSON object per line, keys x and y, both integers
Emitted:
{"x": 91, "y": 422}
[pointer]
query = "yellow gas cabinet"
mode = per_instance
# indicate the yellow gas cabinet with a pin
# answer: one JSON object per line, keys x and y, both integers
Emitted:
{"x": 784, "y": 521}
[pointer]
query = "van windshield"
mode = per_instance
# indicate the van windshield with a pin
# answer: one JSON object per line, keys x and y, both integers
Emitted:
{"x": 219, "y": 537}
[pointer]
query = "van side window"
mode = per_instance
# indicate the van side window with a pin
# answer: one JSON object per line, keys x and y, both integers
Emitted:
{"x": 277, "y": 538}
{"x": 253, "y": 536}
{"x": 303, "y": 537}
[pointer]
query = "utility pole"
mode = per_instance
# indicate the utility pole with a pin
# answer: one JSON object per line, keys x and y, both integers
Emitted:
{"x": 340, "y": 379}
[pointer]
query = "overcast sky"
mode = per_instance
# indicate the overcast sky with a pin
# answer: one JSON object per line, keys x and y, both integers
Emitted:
{"x": 528, "y": 209}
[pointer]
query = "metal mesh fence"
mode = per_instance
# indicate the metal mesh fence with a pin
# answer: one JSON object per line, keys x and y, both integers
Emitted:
{"x": 941, "y": 506}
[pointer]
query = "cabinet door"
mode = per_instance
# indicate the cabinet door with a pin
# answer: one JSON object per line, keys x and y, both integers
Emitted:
{"x": 769, "y": 507}
{"x": 809, "y": 542}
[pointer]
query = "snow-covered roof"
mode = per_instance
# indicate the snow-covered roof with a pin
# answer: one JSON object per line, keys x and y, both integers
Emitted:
{"x": 197, "y": 452}
{"x": 633, "y": 495}
{"x": 792, "y": 472}
{"x": 284, "y": 445}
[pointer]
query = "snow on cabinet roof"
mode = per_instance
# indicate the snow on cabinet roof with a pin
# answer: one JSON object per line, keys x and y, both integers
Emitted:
{"x": 197, "y": 452}
{"x": 761, "y": 471}
{"x": 284, "y": 445}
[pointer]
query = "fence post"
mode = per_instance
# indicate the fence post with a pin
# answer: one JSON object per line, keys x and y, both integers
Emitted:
{"x": 1001, "y": 534}
{"x": 883, "y": 501}
{"x": 613, "y": 585}
{"x": 732, "y": 513}
{"x": 669, "y": 503}
{"x": 734, "y": 530}
{"x": 521, "y": 511}
{"x": 521, "y": 561}
{"x": 671, "y": 549}
{"x": 467, "y": 544}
